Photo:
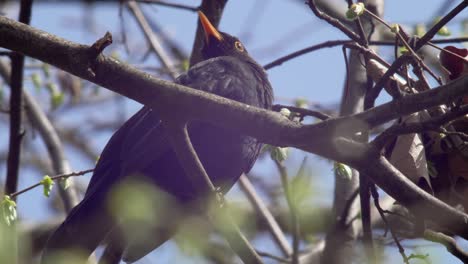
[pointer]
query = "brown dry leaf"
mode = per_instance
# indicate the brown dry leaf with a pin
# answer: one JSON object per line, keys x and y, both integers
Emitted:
{"x": 408, "y": 155}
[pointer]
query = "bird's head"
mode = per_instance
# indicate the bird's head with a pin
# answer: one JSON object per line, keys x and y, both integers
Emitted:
{"x": 218, "y": 43}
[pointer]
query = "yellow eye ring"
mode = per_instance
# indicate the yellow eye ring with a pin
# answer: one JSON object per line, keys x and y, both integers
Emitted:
{"x": 239, "y": 46}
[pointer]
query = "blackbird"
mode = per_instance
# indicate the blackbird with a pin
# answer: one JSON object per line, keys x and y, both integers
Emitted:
{"x": 141, "y": 147}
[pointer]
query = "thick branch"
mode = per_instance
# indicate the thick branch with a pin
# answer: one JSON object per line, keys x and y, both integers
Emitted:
{"x": 448, "y": 242}
{"x": 415, "y": 199}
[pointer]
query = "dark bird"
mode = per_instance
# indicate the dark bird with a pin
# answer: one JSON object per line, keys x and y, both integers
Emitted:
{"x": 140, "y": 148}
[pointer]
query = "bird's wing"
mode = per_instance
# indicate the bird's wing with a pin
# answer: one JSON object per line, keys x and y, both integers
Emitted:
{"x": 234, "y": 79}
{"x": 88, "y": 222}
{"x": 224, "y": 76}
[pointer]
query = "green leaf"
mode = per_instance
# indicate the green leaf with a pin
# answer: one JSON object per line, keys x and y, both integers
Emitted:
{"x": 279, "y": 154}
{"x": 115, "y": 55}
{"x": 420, "y": 30}
{"x": 419, "y": 256}
{"x": 65, "y": 183}
{"x": 52, "y": 87}
{"x": 185, "y": 65}
{"x": 464, "y": 25}
{"x": 301, "y": 102}
{"x": 356, "y": 10}
{"x": 395, "y": 28}
{"x": 8, "y": 210}
{"x": 46, "y": 69}
{"x": 57, "y": 99}
{"x": 1, "y": 91}
{"x": 300, "y": 189}
{"x": 443, "y": 31}
{"x": 36, "y": 80}
{"x": 342, "y": 170}
{"x": 403, "y": 50}
{"x": 285, "y": 112}
{"x": 48, "y": 183}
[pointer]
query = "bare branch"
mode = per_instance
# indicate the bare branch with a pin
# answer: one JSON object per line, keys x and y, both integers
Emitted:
{"x": 152, "y": 38}
{"x": 162, "y": 3}
{"x": 261, "y": 208}
{"x": 448, "y": 242}
{"x": 333, "y": 21}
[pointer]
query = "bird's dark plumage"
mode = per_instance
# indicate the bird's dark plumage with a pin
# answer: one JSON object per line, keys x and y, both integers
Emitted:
{"x": 141, "y": 147}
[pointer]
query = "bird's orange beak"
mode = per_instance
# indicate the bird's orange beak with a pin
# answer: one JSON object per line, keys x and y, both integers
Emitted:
{"x": 209, "y": 29}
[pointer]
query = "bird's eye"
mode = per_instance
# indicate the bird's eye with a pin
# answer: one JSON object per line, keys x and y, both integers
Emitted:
{"x": 239, "y": 46}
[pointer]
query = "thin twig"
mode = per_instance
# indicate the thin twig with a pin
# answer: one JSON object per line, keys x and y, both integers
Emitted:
{"x": 403, "y": 39}
{"x": 152, "y": 38}
{"x": 333, "y": 21}
{"x": 434, "y": 41}
{"x": 375, "y": 195}
{"x": 261, "y": 208}
{"x": 268, "y": 255}
{"x": 326, "y": 44}
{"x": 54, "y": 178}
{"x": 448, "y": 51}
{"x": 329, "y": 44}
{"x": 166, "y": 4}
{"x": 292, "y": 208}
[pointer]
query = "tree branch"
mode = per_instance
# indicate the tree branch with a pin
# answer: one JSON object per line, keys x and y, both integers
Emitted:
{"x": 16, "y": 104}
{"x": 152, "y": 38}
{"x": 448, "y": 242}
{"x": 261, "y": 208}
